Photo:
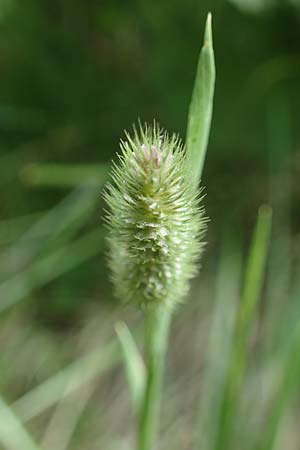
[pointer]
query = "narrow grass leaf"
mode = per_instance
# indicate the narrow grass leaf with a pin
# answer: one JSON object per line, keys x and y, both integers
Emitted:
{"x": 279, "y": 148}
{"x": 12, "y": 229}
{"x": 135, "y": 368}
{"x": 66, "y": 382}
{"x": 201, "y": 107}
{"x": 290, "y": 373}
{"x": 52, "y": 230}
{"x": 65, "y": 175}
{"x": 246, "y": 314}
{"x": 12, "y": 433}
{"x": 66, "y": 417}
{"x": 287, "y": 386}
{"x": 50, "y": 267}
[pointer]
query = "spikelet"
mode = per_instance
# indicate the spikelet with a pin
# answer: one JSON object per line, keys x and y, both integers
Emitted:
{"x": 155, "y": 220}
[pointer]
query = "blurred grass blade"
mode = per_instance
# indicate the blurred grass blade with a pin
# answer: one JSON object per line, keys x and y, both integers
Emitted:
{"x": 22, "y": 119}
{"x": 75, "y": 205}
{"x": 255, "y": 270}
{"x": 65, "y": 418}
{"x": 246, "y": 314}
{"x": 67, "y": 381}
{"x": 64, "y": 219}
{"x": 279, "y": 144}
{"x": 289, "y": 362}
{"x": 12, "y": 433}
{"x": 201, "y": 106}
{"x": 12, "y": 229}
{"x": 221, "y": 340}
{"x": 65, "y": 175}
{"x": 10, "y": 164}
{"x": 50, "y": 267}
{"x": 287, "y": 386}
{"x": 135, "y": 368}
{"x": 55, "y": 227}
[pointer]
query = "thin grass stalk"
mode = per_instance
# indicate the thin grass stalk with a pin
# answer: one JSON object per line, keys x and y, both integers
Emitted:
{"x": 157, "y": 331}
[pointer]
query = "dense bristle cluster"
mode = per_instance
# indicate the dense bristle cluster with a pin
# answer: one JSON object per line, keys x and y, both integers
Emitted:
{"x": 155, "y": 220}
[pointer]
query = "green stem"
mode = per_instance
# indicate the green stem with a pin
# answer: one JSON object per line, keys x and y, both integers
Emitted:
{"x": 157, "y": 330}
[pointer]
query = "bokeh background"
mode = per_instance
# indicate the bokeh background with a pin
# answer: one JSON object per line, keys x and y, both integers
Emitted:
{"x": 73, "y": 76}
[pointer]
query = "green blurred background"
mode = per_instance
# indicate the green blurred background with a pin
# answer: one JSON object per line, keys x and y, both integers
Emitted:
{"x": 73, "y": 76}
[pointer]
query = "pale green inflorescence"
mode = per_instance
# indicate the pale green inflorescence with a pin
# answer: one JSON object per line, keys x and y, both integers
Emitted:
{"x": 155, "y": 220}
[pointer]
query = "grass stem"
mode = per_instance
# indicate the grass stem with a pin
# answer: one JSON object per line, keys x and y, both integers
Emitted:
{"x": 157, "y": 330}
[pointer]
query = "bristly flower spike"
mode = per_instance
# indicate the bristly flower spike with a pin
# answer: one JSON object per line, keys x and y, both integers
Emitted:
{"x": 155, "y": 220}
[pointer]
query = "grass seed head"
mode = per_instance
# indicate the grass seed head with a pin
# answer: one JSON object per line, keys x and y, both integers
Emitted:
{"x": 155, "y": 220}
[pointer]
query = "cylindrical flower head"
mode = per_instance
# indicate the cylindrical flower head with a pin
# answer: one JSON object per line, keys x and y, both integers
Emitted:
{"x": 155, "y": 220}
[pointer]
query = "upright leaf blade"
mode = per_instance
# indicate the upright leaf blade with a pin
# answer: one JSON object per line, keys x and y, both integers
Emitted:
{"x": 201, "y": 107}
{"x": 254, "y": 275}
{"x": 135, "y": 368}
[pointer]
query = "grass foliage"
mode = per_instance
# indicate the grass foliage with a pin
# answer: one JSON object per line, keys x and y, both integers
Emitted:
{"x": 233, "y": 366}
